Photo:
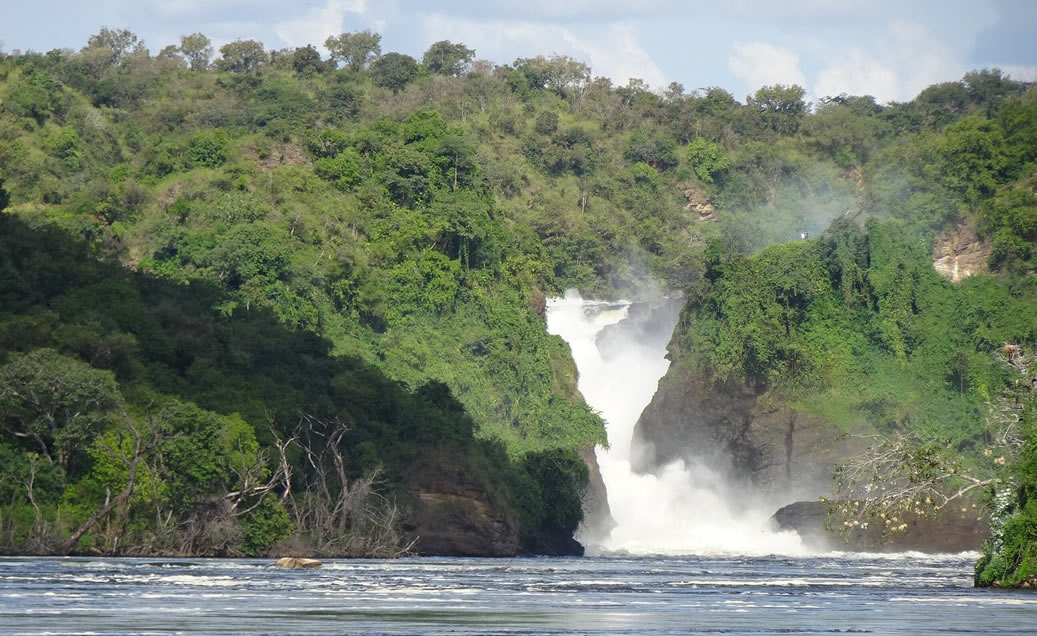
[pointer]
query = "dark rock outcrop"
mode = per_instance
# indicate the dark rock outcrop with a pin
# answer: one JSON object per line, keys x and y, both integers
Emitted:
{"x": 747, "y": 433}
{"x": 951, "y": 531}
{"x": 597, "y": 517}
{"x": 450, "y": 513}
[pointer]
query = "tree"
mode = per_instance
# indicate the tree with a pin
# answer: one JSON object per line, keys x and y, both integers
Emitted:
{"x": 899, "y": 478}
{"x": 306, "y": 60}
{"x": 208, "y": 149}
{"x": 54, "y": 402}
{"x": 394, "y": 71}
{"x": 970, "y": 159}
{"x": 113, "y": 47}
{"x": 241, "y": 56}
{"x": 1010, "y": 554}
{"x": 547, "y": 122}
{"x": 564, "y": 75}
{"x": 130, "y": 460}
{"x": 706, "y": 159}
{"x": 657, "y": 149}
{"x": 197, "y": 48}
{"x": 5, "y": 198}
{"x": 781, "y": 107}
{"x": 674, "y": 92}
{"x": 354, "y": 50}
{"x": 446, "y": 58}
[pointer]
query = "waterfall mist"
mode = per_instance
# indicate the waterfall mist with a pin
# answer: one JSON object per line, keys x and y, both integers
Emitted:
{"x": 682, "y": 508}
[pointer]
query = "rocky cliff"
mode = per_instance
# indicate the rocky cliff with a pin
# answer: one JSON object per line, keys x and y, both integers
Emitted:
{"x": 450, "y": 512}
{"x": 959, "y": 253}
{"x": 743, "y": 431}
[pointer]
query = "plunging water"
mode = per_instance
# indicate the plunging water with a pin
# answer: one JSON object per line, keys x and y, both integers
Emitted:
{"x": 683, "y": 508}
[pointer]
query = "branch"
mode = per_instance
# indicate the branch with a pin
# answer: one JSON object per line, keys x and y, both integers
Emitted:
{"x": 139, "y": 448}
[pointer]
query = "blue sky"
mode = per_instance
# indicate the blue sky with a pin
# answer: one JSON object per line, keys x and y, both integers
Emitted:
{"x": 885, "y": 48}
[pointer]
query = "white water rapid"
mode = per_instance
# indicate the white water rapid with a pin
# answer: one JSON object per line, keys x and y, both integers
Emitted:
{"x": 681, "y": 509}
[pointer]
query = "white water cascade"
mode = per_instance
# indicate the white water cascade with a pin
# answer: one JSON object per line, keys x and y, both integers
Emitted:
{"x": 683, "y": 508}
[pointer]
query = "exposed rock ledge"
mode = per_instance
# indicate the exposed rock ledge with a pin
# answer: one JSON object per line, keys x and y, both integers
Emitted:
{"x": 958, "y": 253}
{"x": 949, "y": 532}
{"x": 699, "y": 203}
{"x": 747, "y": 434}
{"x": 449, "y": 513}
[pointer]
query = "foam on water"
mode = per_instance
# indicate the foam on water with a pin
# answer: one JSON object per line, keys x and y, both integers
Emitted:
{"x": 600, "y": 595}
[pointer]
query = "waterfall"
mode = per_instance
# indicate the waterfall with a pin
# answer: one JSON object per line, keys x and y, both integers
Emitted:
{"x": 684, "y": 507}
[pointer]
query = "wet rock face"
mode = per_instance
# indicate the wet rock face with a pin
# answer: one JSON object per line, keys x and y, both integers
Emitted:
{"x": 948, "y": 532}
{"x": 958, "y": 253}
{"x": 597, "y": 517}
{"x": 740, "y": 431}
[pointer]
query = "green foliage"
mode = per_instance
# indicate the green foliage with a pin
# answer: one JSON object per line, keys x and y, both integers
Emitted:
{"x": 706, "y": 159}
{"x": 208, "y": 149}
{"x": 781, "y": 107}
{"x": 354, "y": 50}
{"x": 241, "y": 56}
{"x": 277, "y": 210}
{"x": 197, "y": 48}
{"x": 55, "y": 404}
{"x": 547, "y": 123}
{"x": 264, "y": 526}
{"x": 562, "y": 474}
{"x": 447, "y": 58}
{"x": 653, "y": 148}
{"x": 859, "y": 328}
{"x": 394, "y": 71}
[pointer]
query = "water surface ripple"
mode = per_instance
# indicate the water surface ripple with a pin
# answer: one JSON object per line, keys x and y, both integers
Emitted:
{"x": 601, "y": 595}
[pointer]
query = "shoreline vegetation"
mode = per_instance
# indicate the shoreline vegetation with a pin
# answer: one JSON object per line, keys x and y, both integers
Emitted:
{"x": 265, "y": 302}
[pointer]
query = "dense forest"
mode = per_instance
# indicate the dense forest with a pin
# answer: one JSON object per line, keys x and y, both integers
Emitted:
{"x": 258, "y": 301}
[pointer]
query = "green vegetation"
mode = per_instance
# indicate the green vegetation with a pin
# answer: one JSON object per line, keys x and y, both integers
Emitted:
{"x": 319, "y": 270}
{"x": 857, "y": 326}
{"x": 1010, "y": 555}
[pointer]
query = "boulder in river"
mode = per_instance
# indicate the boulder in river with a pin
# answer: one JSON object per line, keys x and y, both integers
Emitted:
{"x": 297, "y": 563}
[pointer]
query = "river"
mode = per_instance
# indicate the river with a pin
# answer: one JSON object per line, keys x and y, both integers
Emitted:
{"x": 593, "y": 595}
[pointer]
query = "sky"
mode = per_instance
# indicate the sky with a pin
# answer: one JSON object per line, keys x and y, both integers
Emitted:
{"x": 890, "y": 49}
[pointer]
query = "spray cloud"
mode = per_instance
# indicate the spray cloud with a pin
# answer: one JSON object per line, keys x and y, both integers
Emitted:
{"x": 682, "y": 508}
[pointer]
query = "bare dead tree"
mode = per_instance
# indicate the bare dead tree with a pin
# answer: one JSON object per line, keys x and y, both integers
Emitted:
{"x": 340, "y": 516}
{"x": 252, "y": 480}
{"x": 132, "y": 461}
{"x": 897, "y": 477}
{"x": 900, "y": 476}
{"x": 1005, "y": 411}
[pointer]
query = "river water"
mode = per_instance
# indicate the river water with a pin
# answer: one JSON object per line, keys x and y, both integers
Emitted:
{"x": 914, "y": 594}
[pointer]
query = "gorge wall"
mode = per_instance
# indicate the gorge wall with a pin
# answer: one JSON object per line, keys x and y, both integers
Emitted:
{"x": 743, "y": 431}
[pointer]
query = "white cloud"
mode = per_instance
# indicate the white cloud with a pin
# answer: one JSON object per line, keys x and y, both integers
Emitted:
{"x": 908, "y": 59}
{"x": 612, "y": 50}
{"x": 761, "y": 64}
{"x": 856, "y": 73}
{"x": 314, "y": 26}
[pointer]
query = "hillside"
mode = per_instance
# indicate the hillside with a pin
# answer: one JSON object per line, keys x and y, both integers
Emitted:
{"x": 358, "y": 250}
